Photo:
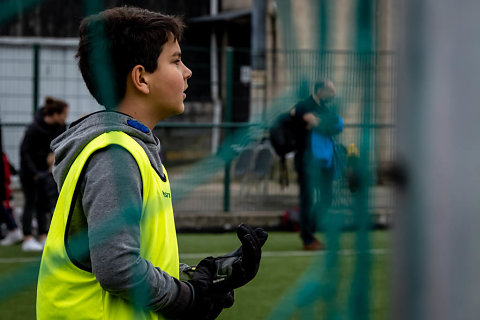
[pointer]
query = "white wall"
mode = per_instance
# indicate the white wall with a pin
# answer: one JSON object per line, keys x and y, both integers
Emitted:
{"x": 228, "y": 5}
{"x": 59, "y": 77}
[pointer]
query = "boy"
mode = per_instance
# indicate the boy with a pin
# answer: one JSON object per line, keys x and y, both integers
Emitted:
{"x": 111, "y": 252}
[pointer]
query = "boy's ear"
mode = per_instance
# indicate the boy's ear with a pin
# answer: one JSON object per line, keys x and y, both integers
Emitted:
{"x": 140, "y": 79}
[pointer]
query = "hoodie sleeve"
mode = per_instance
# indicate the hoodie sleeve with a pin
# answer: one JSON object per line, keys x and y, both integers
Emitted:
{"x": 112, "y": 202}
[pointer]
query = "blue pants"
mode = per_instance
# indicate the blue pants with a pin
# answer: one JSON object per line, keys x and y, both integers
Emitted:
{"x": 315, "y": 195}
{"x": 7, "y": 217}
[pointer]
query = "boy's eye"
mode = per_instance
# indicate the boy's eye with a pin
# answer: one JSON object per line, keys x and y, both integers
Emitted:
{"x": 177, "y": 62}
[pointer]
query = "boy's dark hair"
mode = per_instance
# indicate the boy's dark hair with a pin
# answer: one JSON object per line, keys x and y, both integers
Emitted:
{"x": 121, "y": 37}
{"x": 53, "y": 106}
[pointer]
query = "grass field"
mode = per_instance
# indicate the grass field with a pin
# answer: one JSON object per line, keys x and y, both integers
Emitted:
{"x": 275, "y": 285}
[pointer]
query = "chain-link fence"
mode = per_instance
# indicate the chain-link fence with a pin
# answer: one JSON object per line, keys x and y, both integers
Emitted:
{"x": 35, "y": 70}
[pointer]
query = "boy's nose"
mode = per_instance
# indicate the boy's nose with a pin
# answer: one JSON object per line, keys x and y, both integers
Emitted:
{"x": 187, "y": 73}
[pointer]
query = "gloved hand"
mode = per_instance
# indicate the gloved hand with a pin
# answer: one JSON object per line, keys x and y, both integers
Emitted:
{"x": 207, "y": 304}
{"x": 238, "y": 267}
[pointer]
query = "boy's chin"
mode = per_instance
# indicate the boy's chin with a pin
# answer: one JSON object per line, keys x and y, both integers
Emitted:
{"x": 175, "y": 110}
{"x": 181, "y": 109}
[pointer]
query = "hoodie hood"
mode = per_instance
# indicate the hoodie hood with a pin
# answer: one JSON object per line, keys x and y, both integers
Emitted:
{"x": 68, "y": 145}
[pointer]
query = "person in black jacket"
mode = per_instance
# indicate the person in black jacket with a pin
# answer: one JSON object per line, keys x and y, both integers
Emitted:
{"x": 49, "y": 122}
{"x": 313, "y": 118}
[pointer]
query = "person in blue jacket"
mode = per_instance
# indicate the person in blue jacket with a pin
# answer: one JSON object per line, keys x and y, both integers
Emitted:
{"x": 315, "y": 124}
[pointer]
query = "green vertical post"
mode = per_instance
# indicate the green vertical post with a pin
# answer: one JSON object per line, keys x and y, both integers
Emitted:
{"x": 229, "y": 85}
{"x": 36, "y": 76}
{"x": 228, "y": 119}
{"x": 360, "y": 295}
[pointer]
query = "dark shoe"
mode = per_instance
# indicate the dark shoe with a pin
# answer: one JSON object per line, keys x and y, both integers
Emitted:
{"x": 313, "y": 246}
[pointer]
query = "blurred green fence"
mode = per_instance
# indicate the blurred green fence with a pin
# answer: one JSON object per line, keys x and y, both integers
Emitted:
{"x": 33, "y": 71}
{"x": 205, "y": 178}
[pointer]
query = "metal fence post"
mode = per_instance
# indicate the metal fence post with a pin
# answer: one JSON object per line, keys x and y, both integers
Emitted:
{"x": 36, "y": 76}
{"x": 435, "y": 265}
{"x": 228, "y": 119}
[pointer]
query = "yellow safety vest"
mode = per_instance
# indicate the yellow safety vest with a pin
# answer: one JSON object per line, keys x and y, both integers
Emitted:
{"x": 68, "y": 292}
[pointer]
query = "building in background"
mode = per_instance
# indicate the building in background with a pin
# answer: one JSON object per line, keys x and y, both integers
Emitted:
{"x": 302, "y": 40}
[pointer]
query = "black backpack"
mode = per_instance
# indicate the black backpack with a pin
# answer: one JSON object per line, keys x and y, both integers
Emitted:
{"x": 282, "y": 134}
{"x": 282, "y": 138}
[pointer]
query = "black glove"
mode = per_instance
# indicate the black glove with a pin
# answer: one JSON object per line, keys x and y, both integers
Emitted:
{"x": 207, "y": 304}
{"x": 238, "y": 267}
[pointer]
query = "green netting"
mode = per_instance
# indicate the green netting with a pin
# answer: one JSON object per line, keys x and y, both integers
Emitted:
{"x": 321, "y": 292}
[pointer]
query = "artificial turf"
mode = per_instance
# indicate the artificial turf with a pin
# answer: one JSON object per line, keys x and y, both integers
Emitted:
{"x": 281, "y": 283}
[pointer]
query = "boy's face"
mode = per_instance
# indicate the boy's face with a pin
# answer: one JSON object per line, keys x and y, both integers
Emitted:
{"x": 169, "y": 81}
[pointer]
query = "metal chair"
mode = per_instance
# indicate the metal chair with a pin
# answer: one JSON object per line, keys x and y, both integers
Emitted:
{"x": 261, "y": 167}
{"x": 242, "y": 168}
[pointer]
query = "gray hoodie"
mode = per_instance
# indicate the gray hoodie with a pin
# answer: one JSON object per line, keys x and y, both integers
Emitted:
{"x": 104, "y": 228}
